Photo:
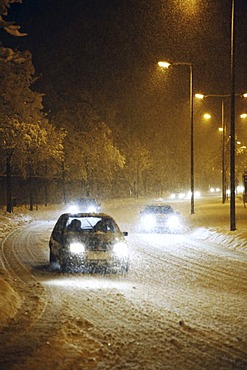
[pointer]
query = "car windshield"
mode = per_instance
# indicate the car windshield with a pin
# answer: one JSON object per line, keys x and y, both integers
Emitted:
{"x": 159, "y": 209}
{"x": 92, "y": 224}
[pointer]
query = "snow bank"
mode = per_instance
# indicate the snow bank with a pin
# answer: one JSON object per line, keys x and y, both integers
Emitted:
{"x": 9, "y": 221}
{"x": 235, "y": 240}
{"x": 10, "y": 301}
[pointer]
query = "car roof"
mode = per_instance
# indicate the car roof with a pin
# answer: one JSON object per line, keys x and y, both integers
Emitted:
{"x": 158, "y": 207}
{"x": 86, "y": 214}
{"x": 86, "y": 200}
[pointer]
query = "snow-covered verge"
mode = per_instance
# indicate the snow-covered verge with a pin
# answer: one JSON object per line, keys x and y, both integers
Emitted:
{"x": 210, "y": 223}
{"x": 10, "y": 301}
{"x": 232, "y": 240}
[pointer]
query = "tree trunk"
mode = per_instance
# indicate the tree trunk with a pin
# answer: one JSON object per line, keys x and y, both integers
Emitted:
{"x": 63, "y": 184}
{"x": 31, "y": 186}
{"x": 9, "y": 187}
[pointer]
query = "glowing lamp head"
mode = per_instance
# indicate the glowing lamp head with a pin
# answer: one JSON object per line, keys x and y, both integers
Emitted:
{"x": 207, "y": 115}
{"x": 199, "y": 96}
{"x": 164, "y": 64}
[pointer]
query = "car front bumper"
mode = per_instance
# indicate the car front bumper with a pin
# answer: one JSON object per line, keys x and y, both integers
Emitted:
{"x": 93, "y": 260}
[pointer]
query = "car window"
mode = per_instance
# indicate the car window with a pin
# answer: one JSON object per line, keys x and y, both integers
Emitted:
{"x": 167, "y": 209}
{"x": 90, "y": 223}
{"x": 57, "y": 232}
{"x": 159, "y": 209}
{"x": 87, "y": 223}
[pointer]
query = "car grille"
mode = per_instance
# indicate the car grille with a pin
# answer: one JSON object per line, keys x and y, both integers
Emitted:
{"x": 96, "y": 246}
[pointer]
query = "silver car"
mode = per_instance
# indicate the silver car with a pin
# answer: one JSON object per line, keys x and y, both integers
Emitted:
{"x": 87, "y": 205}
{"x": 160, "y": 218}
{"x": 88, "y": 242}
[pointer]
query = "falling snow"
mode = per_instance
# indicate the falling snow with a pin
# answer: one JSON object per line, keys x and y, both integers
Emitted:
{"x": 181, "y": 306}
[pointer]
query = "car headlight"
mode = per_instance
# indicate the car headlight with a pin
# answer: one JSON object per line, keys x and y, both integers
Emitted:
{"x": 148, "y": 221}
{"x": 120, "y": 249}
{"x": 173, "y": 222}
{"x": 73, "y": 208}
{"x": 77, "y": 248}
{"x": 92, "y": 209}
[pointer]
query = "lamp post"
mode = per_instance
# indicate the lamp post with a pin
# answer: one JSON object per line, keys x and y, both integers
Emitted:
{"x": 232, "y": 156}
{"x": 223, "y": 129}
{"x": 163, "y": 64}
{"x": 232, "y": 141}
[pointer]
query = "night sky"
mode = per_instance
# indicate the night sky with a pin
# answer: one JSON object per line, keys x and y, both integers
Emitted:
{"x": 111, "y": 48}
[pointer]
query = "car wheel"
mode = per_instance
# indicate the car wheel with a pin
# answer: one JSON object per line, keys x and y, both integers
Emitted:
{"x": 53, "y": 257}
{"x": 67, "y": 266}
{"x": 124, "y": 268}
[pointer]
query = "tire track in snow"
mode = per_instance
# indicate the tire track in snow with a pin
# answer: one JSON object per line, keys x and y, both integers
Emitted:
{"x": 26, "y": 331}
{"x": 40, "y": 320}
{"x": 234, "y": 270}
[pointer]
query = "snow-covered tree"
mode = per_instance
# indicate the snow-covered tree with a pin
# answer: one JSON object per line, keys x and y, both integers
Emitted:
{"x": 10, "y": 27}
{"x": 91, "y": 156}
{"x": 26, "y": 137}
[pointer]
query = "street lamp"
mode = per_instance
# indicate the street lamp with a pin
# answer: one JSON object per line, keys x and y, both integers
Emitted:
{"x": 163, "y": 64}
{"x": 232, "y": 146}
{"x": 207, "y": 116}
{"x": 232, "y": 141}
{"x": 223, "y": 129}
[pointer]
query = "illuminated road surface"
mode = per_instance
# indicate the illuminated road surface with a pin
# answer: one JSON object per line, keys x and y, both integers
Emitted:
{"x": 183, "y": 305}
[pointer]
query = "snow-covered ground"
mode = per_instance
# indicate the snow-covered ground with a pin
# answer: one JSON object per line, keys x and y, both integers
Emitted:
{"x": 211, "y": 222}
{"x": 209, "y": 228}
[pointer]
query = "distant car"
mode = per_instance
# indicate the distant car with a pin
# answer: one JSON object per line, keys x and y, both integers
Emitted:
{"x": 88, "y": 242}
{"x": 184, "y": 195}
{"x": 160, "y": 218}
{"x": 84, "y": 205}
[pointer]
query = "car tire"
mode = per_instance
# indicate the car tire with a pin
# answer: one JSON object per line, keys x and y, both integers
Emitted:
{"x": 53, "y": 257}
{"x": 66, "y": 266}
{"x": 124, "y": 268}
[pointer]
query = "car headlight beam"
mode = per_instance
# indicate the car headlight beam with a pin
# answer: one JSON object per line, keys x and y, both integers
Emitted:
{"x": 120, "y": 249}
{"x": 149, "y": 221}
{"x": 74, "y": 208}
{"x": 91, "y": 209}
{"x": 173, "y": 223}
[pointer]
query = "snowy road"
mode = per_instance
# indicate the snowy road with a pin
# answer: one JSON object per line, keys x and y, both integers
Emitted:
{"x": 182, "y": 306}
